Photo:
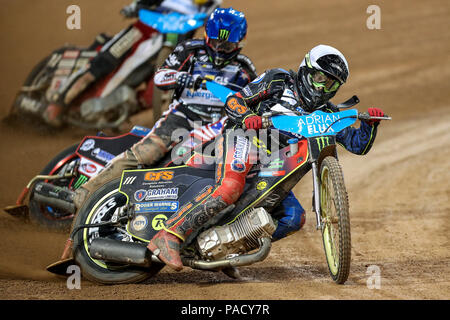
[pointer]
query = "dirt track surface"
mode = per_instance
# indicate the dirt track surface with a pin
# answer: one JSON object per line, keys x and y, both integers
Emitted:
{"x": 399, "y": 192}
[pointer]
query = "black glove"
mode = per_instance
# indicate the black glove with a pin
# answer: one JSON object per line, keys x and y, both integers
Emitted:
{"x": 188, "y": 81}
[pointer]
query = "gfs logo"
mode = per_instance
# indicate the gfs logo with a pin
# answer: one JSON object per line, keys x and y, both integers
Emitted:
{"x": 158, "y": 176}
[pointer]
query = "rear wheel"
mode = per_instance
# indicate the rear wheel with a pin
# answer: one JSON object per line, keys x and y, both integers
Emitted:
{"x": 39, "y": 78}
{"x": 100, "y": 207}
{"x": 335, "y": 220}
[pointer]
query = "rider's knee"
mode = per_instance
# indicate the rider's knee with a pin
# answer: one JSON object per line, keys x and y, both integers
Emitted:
{"x": 149, "y": 150}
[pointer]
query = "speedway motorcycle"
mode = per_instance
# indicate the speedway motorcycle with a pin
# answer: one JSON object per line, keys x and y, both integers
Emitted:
{"x": 111, "y": 101}
{"x": 111, "y": 231}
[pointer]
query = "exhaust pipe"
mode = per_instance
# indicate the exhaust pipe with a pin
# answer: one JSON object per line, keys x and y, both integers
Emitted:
{"x": 54, "y": 196}
{"x": 137, "y": 254}
{"x": 243, "y": 260}
{"x": 121, "y": 252}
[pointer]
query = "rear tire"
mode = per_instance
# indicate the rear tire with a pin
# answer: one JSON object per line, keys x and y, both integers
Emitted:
{"x": 335, "y": 220}
{"x": 16, "y": 115}
{"x": 96, "y": 270}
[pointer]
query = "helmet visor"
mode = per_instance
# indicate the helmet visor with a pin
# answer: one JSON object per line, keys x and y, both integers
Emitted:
{"x": 222, "y": 45}
{"x": 321, "y": 80}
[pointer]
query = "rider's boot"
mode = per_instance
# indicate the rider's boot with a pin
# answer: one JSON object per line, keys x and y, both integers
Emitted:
{"x": 167, "y": 242}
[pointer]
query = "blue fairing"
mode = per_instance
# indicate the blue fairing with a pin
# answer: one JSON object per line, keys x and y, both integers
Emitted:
{"x": 318, "y": 123}
{"x": 219, "y": 91}
{"x": 173, "y": 22}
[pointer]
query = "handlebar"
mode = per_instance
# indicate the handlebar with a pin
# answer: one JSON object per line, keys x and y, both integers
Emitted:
{"x": 365, "y": 116}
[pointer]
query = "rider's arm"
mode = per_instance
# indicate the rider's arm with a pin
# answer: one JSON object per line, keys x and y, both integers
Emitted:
{"x": 244, "y": 103}
{"x": 358, "y": 141}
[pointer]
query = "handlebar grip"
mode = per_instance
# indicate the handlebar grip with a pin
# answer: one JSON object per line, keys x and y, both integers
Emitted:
{"x": 366, "y": 116}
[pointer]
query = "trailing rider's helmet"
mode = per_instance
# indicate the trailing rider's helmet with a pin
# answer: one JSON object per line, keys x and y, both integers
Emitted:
{"x": 323, "y": 70}
{"x": 224, "y": 32}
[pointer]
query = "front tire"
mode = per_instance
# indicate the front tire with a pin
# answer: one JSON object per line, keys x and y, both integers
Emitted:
{"x": 99, "y": 207}
{"x": 335, "y": 220}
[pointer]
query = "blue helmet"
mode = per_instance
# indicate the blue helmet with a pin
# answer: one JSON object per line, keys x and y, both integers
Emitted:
{"x": 225, "y": 29}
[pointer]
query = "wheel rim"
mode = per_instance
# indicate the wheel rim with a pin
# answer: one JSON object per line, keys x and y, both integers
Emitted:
{"x": 96, "y": 214}
{"x": 330, "y": 228}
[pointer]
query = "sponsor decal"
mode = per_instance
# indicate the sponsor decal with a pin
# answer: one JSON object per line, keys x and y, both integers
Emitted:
{"x": 89, "y": 54}
{"x": 234, "y": 105}
{"x": 129, "y": 180}
{"x": 275, "y": 164}
{"x": 157, "y": 176}
{"x": 322, "y": 142}
{"x": 318, "y": 123}
{"x": 119, "y": 48}
{"x": 162, "y": 194}
{"x": 261, "y": 185}
{"x": 102, "y": 155}
{"x": 200, "y": 94}
{"x": 224, "y": 34}
{"x": 206, "y": 191}
{"x": 156, "y": 206}
{"x": 82, "y": 179}
{"x": 139, "y": 223}
{"x": 158, "y": 221}
{"x": 247, "y": 91}
{"x": 140, "y": 195}
{"x": 241, "y": 148}
{"x": 238, "y": 165}
{"x": 88, "y": 168}
{"x": 87, "y": 145}
{"x": 271, "y": 173}
{"x": 66, "y": 64}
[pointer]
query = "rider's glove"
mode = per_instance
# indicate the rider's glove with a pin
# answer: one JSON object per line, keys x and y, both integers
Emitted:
{"x": 374, "y": 112}
{"x": 253, "y": 122}
{"x": 186, "y": 80}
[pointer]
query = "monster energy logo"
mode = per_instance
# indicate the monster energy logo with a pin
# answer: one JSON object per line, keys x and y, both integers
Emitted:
{"x": 82, "y": 179}
{"x": 224, "y": 34}
{"x": 322, "y": 142}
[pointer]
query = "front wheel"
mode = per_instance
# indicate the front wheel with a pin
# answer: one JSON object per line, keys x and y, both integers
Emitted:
{"x": 335, "y": 220}
{"x": 100, "y": 207}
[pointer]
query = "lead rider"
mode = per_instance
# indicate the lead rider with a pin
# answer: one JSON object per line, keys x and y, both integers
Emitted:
{"x": 321, "y": 73}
